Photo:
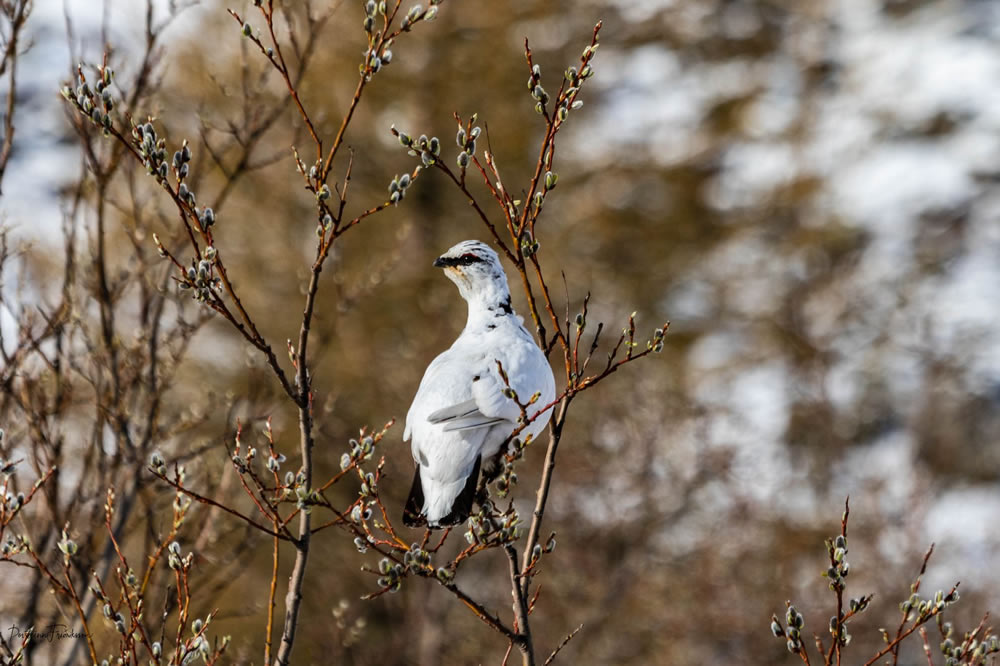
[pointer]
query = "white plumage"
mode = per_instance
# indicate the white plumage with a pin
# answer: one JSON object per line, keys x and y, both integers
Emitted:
{"x": 460, "y": 415}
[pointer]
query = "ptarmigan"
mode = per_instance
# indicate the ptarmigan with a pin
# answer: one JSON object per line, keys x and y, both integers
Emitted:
{"x": 460, "y": 416}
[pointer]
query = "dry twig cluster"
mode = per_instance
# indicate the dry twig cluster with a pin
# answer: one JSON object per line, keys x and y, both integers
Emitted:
{"x": 290, "y": 505}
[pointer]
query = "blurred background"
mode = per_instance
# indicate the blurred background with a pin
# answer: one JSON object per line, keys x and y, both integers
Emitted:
{"x": 809, "y": 190}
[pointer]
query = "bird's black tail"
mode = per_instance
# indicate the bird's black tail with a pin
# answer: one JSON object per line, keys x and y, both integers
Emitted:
{"x": 413, "y": 512}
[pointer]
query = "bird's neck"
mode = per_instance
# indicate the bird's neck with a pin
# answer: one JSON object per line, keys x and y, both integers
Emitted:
{"x": 488, "y": 303}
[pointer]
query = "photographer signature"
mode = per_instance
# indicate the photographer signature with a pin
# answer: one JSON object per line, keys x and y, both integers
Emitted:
{"x": 51, "y": 633}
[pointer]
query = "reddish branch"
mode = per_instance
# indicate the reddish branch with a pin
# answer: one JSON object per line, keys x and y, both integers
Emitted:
{"x": 520, "y": 227}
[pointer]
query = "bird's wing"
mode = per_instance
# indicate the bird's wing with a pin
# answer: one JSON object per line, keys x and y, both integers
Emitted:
{"x": 487, "y": 407}
{"x": 472, "y": 422}
{"x": 460, "y": 410}
{"x": 437, "y": 383}
{"x": 462, "y": 416}
{"x": 445, "y": 395}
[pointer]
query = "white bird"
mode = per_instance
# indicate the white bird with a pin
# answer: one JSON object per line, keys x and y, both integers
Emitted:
{"x": 461, "y": 416}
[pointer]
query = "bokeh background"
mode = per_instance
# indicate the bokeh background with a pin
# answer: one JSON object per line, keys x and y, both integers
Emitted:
{"x": 809, "y": 190}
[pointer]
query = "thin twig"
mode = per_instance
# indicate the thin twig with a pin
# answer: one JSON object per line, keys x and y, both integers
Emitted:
{"x": 270, "y": 601}
{"x": 927, "y": 646}
{"x": 561, "y": 645}
{"x": 211, "y": 502}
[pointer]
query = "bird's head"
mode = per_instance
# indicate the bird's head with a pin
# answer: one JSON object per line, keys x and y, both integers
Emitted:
{"x": 477, "y": 271}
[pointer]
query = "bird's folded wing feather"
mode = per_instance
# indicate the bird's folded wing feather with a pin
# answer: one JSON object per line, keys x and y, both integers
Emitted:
{"x": 471, "y": 423}
{"x": 460, "y": 410}
{"x": 463, "y": 416}
{"x": 488, "y": 406}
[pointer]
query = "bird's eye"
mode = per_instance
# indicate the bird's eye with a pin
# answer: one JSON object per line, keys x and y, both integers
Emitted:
{"x": 467, "y": 259}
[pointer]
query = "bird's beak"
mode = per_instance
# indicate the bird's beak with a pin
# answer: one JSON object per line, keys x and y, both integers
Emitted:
{"x": 441, "y": 262}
